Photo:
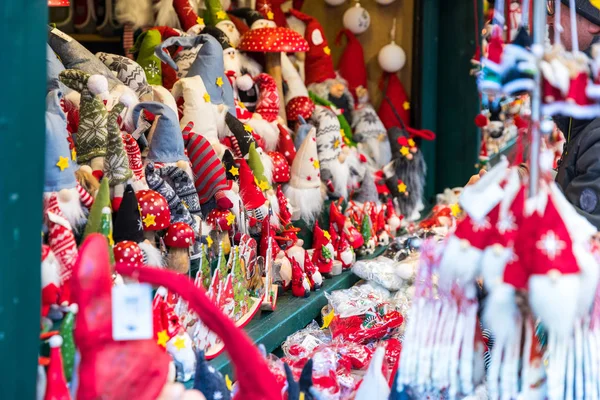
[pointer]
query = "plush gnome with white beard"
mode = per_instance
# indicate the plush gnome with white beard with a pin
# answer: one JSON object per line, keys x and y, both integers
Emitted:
{"x": 217, "y": 17}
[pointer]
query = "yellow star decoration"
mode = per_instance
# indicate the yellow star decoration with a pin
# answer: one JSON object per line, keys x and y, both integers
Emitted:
{"x": 270, "y": 15}
{"x": 402, "y": 187}
{"x": 326, "y": 234}
{"x": 221, "y": 15}
{"x": 228, "y": 382}
{"x": 242, "y": 105}
{"x": 595, "y": 3}
{"x": 200, "y": 21}
{"x": 63, "y": 163}
{"x": 206, "y": 97}
{"x": 179, "y": 343}
{"x": 411, "y": 143}
{"x": 163, "y": 338}
{"x": 219, "y": 81}
{"x": 316, "y": 164}
{"x": 455, "y": 209}
{"x": 406, "y": 105}
{"x": 209, "y": 241}
{"x": 404, "y": 151}
{"x": 327, "y": 50}
{"x": 73, "y": 154}
{"x": 247, "y": 128}
{"x": 336, "y": 144}
{"x": 301, "y": 396}
{"x": 150, "y": 220}
{"x": 263, "y": 185}
{"x": 234, "y": 170}
{"x": 230, "y": 219}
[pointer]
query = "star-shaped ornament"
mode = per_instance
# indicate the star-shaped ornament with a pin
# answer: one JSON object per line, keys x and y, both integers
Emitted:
{"x": 327, "y": 50}
{"x": 411, "y": 143}
{"x": 200, "y": 21}
{"x": 228, "y": 382}
{"x": 163, "y": 338}
{"x": 270, "y": 15}
{"x": 404, "y": 151}
{"x": 242, "y": 105}
{"x": 63, "y": 163}
{"x": 247, "y": 128}
{"x": 230, "y": 219}
{"x": 336, "y": 144}
{"x": 402, "y": 187}
{"x": 206, "y": 97}
{"x": 219, "y": 81}
{"x": 455, "y": 209}
{"x": 316, "y": 164}
{"x": 550, "y": 245}
{"x": 221, "y": 15}
{"x": 234, "y": 170}
{"x": 406, "y": 105}
{"x": 73, "y": 154}
{"x": 179, "y": 343}
{"x": 326, "y": 234}
{"x": 209, "y": 241}
{"x": 263, "y": 185}
{"x": 150, "y": 220}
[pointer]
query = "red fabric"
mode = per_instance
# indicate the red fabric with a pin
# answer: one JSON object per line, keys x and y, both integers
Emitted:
{"x": 298, "y": 278}
{"x": 325, "y": 265}
{"x": 264, "y": 6}
{"x": 251, "y": 195}
{"x": 286, "y": 144}
{"x": 300, "y": 106}
{"x": 209, "y": 173}
{"x": 239, "y": 24}
{"x": 254, "y": 380}
{"x": 318, "y": 65}
{"x": 394, "y": 101}
{"x": 351, "y": 65}
{"x": 496, "y": 46}
{"x": 56, "y": 386}
{"x": 281, "y": 168}
{"x": 267, "y": 104}
{"x": 577, "y": 93}
{"x": 186, "y": 14}
{"x": 109, "y": 369}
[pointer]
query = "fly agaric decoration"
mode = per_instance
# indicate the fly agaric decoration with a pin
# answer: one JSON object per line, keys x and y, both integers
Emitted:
{"x": 222, "y": 220}
{"x": 128, "y": 252}
{"x": 156, "y": 215}
{"x": 281, "y": 168}
{"x": 178, "y": 239}
{"x": 273, "y": 42}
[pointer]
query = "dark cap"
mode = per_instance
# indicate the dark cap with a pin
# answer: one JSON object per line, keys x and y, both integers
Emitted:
{"x": 585, "y": 9}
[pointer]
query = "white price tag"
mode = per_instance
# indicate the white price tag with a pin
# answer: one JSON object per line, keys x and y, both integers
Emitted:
{"x": 61, "y": 35}
{"x": 142, "y": 127}
{"x": 310, "y": 343}
{"x": 132, "y": 312}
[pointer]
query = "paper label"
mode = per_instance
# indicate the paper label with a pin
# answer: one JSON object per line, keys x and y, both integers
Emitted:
{"x": 61, "y": 35}
{"x": 310, "y": 343}
{"x": 143, "y": 127}
{"x": 132, "y": 312}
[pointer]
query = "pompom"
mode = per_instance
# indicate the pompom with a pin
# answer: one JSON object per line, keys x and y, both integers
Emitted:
{"x": 97, "y": 84}
{"x": 391, "y": 58}
{"x": 547, "y": 126}
{"x": 162, "y": 291}
{"x": 481, "y": 120}
{"x": 55, "y": 341}
{"x": 244, "y": 82}
{"x": 74, "y": 308}
{"x": 128, "y": 100}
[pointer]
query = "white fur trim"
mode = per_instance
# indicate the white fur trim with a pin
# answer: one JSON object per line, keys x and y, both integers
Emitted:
{"x": 459, "y": 261}
{"x": 55, "y": 341}
{"x": 306, "y": 202}
{"x": 267, "y": 130}
{"x": 244, "y": 82}
{"x": 153, "y": 256}
{"x": 97, "y": 84}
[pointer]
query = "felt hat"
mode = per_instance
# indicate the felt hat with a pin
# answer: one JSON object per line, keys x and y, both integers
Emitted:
{"x": 305, "y": 169}
{"x": 214, "y": 12}
{"x": 128, "y": 222}
{"x": 251, "y": 194}
{"x": 286, "y": 144}
{"x": 301, "y": 131}
{"x": 249, "y": 15}
{"x": 74, "y": 56}
{"x": 351, "y": 65}
{"x": 116, "y": 164}
{"x": 209, "y": 381}
{"x": 219, "y": 35}
{"x": 267, "y": 104}
{"x": 242, "y": 137}
{"x": 128, "y": 71}
{"x": 366, "y": 123}
{"x": 59, "y": 172}
{"x": 394, "y": 105}
{"x": 318, "y": 65}
{"x": 92, "y": 135}
{"x": 186, "y": 14}
{"x": 271, "y": 9}
{"x": 167, "y": 143}
{"x": 144, "y": 47}
{"x": 329, "y": 138}
{"x": 230, "y": 166}
{"x": 134, "y": 155}
{"x": 319, "y": 237}
{"x": 53, "y": 68}
{"x": 183, "y": 185}
{"x": 208, "y": 64}
{"x": 239, "y": 23}
{"x": 99, "y": 375}
{"x": 209, "y": 174}
{"x": 97, "y": 218}
{"x": 56, "y": 384}
{"x": 258, "y": 169}
{"x": 254, "y": 379}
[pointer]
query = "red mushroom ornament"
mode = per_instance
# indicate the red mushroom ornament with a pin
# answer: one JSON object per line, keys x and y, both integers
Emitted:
{"x": 155, "y": 212}
{"x": 221, "y": 220}
{"x": 128, "y": 252}
{"x": 273, "y": 42}
{"x": 179, "y": 239}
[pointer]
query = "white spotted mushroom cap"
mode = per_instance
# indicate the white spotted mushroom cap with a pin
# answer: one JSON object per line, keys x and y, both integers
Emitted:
{"x": 128, "y": 252}
{"x": 273, "y": 40}
{"x": 154, "y": 209}
{"x": 179, "y": 235}
{"x": 281, "y": 168}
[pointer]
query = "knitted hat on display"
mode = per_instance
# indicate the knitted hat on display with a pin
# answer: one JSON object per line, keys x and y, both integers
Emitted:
{"x": 250, "y": 193}
{"x": 56, "y": 386}
{"x": 128, "y": 222}
{"x": 183, "y": 185}
{"x": 59, "y": 172}
{"x": 208, "y": 64}
{"x": 351, "y": 65}
{"x": 53, "y": 68}
{"x": 305, "y": 169}
{"x": 128, "y": 71}
{"x": 99, "y": 376}
{"x": 242, "y": 136}
{"x": 366, "y": 124}
{"x": 297, "y": 102}
{"x": 167, "y": 143}
{"x": 74, "y": 56}
{"x": 209, "y": 381}
{"x": 347, "y": 131}
{"x": 92, "y": 135}
{"x": 394, "y": 105}
{"x": 329, "y": 139}
{"x": 267, "y": 104}
{"x": 179, "y": 212}
{"x": 318, "y": 65}
{"x": 116, "y": 164}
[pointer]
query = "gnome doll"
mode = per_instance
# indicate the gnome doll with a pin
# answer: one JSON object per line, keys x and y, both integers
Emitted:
{"x": 265, "y": 122}
{"x": 300, "y": 284}
{"x": 304, "y": 189}
{"x": 217, "y": 17}
{"x": 301, "y": 256}
{"x": 323, "y": 254}
{"x": 50, "y": 279}
{"x": 344, "y": 252}
{"x": 252, "y": 197}
{"x": 342, "y": 224}
{"x": 56, "y": 384}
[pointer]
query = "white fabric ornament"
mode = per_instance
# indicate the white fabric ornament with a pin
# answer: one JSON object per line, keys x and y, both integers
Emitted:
{"x": 357, "y": 19}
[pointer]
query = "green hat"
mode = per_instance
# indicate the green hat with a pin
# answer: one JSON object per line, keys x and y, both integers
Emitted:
{"x": 116, "y": 163}
{"x": 214, "y": 13}
{"x": 144, "y": 47}
{"x": 257, "y": 168}
{"x": 365, "y": 227}
{"x": 67, "y": 349}
{"x": 100, "y": 218}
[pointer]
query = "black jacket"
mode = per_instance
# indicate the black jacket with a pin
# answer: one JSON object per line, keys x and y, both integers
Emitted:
{"x": 579, "y": 168}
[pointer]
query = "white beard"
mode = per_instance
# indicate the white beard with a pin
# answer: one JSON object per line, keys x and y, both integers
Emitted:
{"x": 381, "y": 152}
{"x": 72, "y": 210}
{"x": 233, "y": 63}
{"x": 306, "y": 203}
{"x": 341, "y": 176}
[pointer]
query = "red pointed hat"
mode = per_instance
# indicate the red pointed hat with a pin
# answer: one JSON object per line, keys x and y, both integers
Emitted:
{"x": 251, "y": 195}
{"x": 56, "y": 386}
{"x": 318, "y": 65}
{"x": 319, "y": 238}
{"x": 272, "y": 10}
{"x": 254, "y": 379}
{"x": 186, "y": 14}
{"x": 267, "y": 104}
{"x": 394, "y": 103}
{"x": 141, "y": 371}
{"x": 286, "y": 143}
{"x": 351, "y": 65}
